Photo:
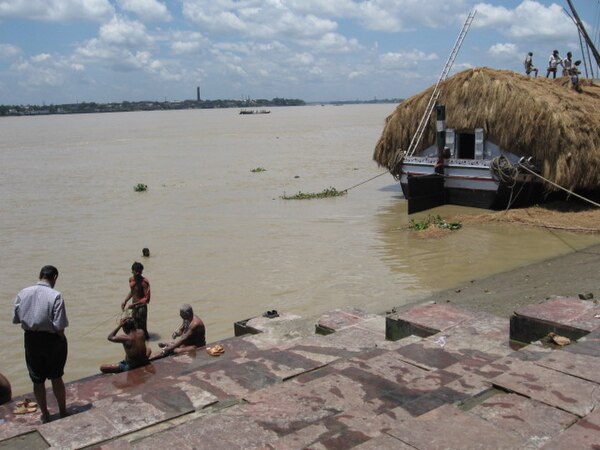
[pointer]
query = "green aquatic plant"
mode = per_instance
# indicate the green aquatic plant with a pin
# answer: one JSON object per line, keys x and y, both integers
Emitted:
{"x": 259, "y": 169}
{"x": 436, "y": 221}
{"x": 140, "y": 187}
{"x": 325, "y": 193}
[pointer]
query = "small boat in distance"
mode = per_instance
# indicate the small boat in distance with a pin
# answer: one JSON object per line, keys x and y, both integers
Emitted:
{"x": 255, "y": 111}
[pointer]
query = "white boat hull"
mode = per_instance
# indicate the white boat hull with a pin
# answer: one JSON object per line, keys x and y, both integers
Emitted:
{"x": 468, "y": 182}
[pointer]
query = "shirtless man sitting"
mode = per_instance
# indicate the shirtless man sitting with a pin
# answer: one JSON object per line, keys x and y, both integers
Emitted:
{"x": 134, "y": 343}
{"x": 189, "y": 336}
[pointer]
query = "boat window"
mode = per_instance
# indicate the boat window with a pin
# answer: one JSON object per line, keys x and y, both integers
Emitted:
{"x": 465, "y": 143}
{"x": 479, "y": 143}
{"x": 450, "y": 141}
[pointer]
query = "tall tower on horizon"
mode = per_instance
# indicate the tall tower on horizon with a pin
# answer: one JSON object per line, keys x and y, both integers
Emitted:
{"x": 198, "y": 93}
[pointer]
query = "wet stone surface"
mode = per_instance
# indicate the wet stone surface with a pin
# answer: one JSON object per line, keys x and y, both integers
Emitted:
{"x": 288, "y": 388}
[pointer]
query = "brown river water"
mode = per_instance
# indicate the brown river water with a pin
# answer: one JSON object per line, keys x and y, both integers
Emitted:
{"x": 221, "y": 238}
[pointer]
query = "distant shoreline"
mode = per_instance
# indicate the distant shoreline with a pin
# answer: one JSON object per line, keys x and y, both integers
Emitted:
{"x": 93, "y": 108}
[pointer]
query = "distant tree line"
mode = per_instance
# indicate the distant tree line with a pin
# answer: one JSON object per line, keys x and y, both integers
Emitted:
{"x": 92, "y": 107}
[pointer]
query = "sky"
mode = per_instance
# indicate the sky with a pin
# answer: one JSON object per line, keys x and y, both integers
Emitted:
{"x": 67, "y": 51}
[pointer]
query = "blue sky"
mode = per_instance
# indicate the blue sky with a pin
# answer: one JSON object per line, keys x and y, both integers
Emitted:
{"x": 63, "y": 51}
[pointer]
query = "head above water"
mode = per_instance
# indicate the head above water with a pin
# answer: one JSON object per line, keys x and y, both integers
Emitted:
{"x": 128, "y": 325}
{"x": 50, "y": 274}
{"x": 137, "y": 267}
{"x": 146, "y": 252}
{"x": 186, "y": 312}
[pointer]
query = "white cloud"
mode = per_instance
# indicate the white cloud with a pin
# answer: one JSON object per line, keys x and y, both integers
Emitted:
{"x": 331, "y": 43}
{"x": 356, "y": 74}
{"x": 255, "y": 18}
{"x": 56, "y": 10}
{"x": 121, "y": 59}
{"x": 387, "y": 15}
{"x": 505, "y": 51}
{"x": 42, "y": 70}
{"x": 40, "y": 58}
{"x": 304, "y": 59}
{"x": 529, "y": 20}
{"x": 8, "y": 51}
{"x": 123, "y": 32}
{"x": 185, "y": 43}
{"x": 185, "y": 47}
{"x": 404, "y": 60}
{"x": 148, "y": 10}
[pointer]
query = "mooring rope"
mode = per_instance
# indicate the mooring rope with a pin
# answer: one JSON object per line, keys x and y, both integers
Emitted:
{"x": 120, "y": 313}
{"x": 504, "y": 170}
{"x": 559, "y": 187}
{"x": 366, "y": 181}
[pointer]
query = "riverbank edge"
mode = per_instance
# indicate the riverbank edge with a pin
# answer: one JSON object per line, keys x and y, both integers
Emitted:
{"x": 501, "y": 294}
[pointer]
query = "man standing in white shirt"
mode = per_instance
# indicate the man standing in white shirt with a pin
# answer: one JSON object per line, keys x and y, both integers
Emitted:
{"x": 553, "y": 63}
{"x": 40, "y": 310}
{"x": 567, "y": 64}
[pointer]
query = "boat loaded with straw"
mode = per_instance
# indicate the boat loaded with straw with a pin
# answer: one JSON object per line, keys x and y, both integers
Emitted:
{"x": 499, "y": 139}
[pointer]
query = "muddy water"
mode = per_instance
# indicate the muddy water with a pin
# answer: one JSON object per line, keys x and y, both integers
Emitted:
{"x": 220, "y": 236}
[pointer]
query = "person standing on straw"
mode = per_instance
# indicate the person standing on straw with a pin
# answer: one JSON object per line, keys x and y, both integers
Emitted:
{"x": 529, "y": 67}
{"x": 567, "y": 64}
{"x": 553, "y": 63}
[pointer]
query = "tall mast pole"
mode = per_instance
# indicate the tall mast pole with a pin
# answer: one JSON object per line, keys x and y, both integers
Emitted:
{"x": 584, "y": 33}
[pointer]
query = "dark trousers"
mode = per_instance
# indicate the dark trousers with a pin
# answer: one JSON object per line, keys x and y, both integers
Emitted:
{"x": 140, "y": 317}
{"x": 45, "y": 355}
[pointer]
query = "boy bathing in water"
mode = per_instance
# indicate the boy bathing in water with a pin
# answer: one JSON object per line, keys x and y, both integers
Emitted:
{"x": 134, "y": 343}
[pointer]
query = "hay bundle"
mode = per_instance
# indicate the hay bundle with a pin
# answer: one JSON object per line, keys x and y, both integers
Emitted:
{"x": 536, "y": 117}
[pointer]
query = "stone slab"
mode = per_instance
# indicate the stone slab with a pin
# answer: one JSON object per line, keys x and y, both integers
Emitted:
{"x": 79, "y": 431}
{"x": 425, "y": 320}
{"x": 583, "y": 435}
{"x": 566, "y": 316}
{"x": 428, "y": 355}
{"x": 485, "y": 334}
{"x": 276, "y": 331}
{"x": 425, "y": 403}
{"x": 30, "y": 441}
{"x": 355, "y": 339}
{"x": 588, "y": 345}
{"x": 113, "y": 417}
{"x": 338, "y": 319}
{"x": 287, "y": 409}
{"x": 331, "y": 434}
{"x": 449, "y": 428}
{"x": 231, "y": 379}
{"x": 553, "y": 388}
{"x": 284, "y": 364}
{"x": 384, "y": 442}
{"x": 533, "y": 421}
{"x": 389, "y": 366}
{"x": 231, "y": 429}
{"x": 580, "y": 366}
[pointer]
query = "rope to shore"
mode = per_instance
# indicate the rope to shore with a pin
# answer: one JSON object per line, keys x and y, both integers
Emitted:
{"x": 120, "y": 313}
{"x": 366, "y": 181}
{"x": 559, "y": 187}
